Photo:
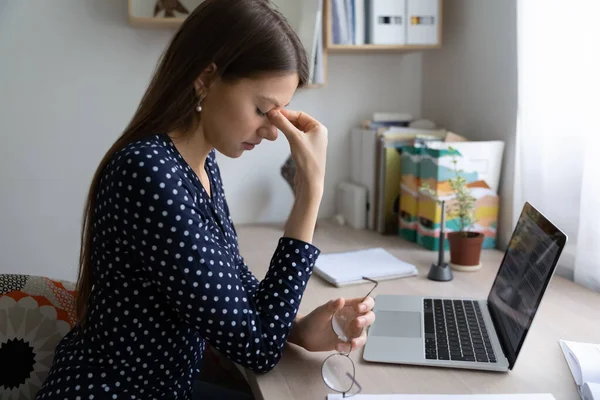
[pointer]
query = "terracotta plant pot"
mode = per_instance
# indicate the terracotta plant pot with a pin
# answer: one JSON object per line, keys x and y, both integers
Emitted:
{"x": 465, "y": 250}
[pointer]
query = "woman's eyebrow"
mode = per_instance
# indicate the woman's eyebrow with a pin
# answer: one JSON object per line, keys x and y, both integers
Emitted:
{"x": 272, "y": 100}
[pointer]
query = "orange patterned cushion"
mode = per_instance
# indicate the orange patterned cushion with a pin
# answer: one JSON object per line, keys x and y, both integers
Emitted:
{"x": 35, "y": 314}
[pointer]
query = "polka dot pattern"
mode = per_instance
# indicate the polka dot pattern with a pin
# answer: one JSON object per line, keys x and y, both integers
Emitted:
{"x": 168, "y": 275}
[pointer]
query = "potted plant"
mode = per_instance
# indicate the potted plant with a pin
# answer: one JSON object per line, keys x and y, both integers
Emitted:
{"x": 465, "y": 244}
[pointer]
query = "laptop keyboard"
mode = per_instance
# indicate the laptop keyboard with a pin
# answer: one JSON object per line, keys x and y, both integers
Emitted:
{"x": 455, "y": 330}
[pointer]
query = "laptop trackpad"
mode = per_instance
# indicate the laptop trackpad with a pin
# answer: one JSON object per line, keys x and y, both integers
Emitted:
{"x": 397, "y": 324}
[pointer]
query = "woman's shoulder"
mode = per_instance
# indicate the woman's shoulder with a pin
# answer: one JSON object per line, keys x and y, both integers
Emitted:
{"x": 155, "y": 150}
{"x": 146, "y": 158}
{"x": 148, "y": 147}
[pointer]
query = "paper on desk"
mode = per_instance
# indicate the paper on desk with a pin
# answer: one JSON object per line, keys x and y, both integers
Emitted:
{"x": 583, "y": 360}
{"x": 349, "y": 267}
{"x": 533, "y": 396}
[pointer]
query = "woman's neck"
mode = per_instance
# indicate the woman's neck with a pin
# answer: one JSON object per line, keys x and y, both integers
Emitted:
{"x": 193, "y": 147}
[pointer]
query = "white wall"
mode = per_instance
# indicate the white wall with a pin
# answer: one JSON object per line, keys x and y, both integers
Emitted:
{"x": 470, "y": 85}
{"x": 71, "y": 75}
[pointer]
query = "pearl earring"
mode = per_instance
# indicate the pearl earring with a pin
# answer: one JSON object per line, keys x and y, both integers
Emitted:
{"x": 199, "y": 104}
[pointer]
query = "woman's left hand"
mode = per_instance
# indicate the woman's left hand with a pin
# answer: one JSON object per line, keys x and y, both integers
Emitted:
{"x": 314, "y": 331}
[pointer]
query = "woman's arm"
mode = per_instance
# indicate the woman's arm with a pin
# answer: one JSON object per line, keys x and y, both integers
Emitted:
{"x": 303, "y": 217}
{"x": 308, "y": 143}
{"x": 246, "y": 276}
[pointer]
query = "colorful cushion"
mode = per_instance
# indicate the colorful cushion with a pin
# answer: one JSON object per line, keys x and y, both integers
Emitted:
{"x": 35, "y": 314}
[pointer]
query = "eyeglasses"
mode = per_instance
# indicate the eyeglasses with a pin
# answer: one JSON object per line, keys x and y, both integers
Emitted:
{"x": 338, "y": 370}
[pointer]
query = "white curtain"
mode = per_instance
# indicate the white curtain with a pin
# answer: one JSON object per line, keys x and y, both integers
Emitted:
{"x": 558, "y": 128}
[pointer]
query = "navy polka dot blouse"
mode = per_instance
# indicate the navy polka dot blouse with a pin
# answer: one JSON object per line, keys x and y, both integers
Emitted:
{"x": 168, "y": 275}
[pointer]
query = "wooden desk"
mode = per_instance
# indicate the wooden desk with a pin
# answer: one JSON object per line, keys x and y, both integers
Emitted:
{"x": 568, "y": 311}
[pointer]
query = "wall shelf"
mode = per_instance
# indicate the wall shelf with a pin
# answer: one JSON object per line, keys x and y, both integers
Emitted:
{"x": 140, "y": 14}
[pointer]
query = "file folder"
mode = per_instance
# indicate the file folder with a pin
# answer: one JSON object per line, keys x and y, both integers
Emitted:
{"x": 422, "y": 25}
{"x": 387, "y": 22}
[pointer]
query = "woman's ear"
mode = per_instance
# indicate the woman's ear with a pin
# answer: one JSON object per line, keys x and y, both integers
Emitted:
{"x": 206, "y": 78}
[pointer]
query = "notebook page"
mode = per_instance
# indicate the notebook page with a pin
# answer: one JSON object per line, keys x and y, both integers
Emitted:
{"x": 583, "y": 360}
{"x": 528, "y": 396}
{"x": 372, "y": 263}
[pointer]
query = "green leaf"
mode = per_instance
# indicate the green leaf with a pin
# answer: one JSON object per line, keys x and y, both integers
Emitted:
{"x": 464, "y": 205}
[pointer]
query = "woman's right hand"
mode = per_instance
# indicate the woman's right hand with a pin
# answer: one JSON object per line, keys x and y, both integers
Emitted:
{"x": 308, "y": 144}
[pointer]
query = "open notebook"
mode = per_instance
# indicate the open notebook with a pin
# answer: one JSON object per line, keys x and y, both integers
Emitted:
{"x": 341, "y": 269}
{"x": 584, "y": 362}
{"x": 528, "y": 396}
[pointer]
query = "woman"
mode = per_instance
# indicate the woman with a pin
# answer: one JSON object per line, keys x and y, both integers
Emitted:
{"x": 160, "y": 269}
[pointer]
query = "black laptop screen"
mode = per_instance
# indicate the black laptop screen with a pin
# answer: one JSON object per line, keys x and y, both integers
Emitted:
{"x": 524, "y": 274}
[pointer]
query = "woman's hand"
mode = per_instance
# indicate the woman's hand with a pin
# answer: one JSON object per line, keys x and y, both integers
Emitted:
{"x": 308, "y": 144}
{"x": 315, "y": 333}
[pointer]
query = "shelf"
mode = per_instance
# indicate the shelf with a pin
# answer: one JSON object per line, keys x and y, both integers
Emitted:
{"x": 341, "y": 48}
{"x": 140, "y": 15}
{"x": 314, "y": 86}
{"x": 151, "y": 22}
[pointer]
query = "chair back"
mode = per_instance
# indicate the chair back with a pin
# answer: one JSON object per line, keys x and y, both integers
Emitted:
{"x": 35, "y": 314}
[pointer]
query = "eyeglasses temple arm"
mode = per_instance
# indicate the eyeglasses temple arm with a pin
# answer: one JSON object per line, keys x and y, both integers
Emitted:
{"x": 373, "y": 288}
{"x": 355, "y": 382}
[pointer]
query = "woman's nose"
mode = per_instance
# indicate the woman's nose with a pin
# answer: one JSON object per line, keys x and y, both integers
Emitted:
{"x": 268, "y": 132}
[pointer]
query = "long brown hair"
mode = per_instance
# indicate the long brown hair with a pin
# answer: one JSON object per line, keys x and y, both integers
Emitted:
{"x": 243, "y": 38}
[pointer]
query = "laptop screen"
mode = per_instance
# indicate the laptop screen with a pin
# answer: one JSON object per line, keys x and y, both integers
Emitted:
{"x": 524, "y": 274}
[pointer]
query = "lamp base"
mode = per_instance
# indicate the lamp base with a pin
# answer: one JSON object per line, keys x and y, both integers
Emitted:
{"x": 440, "y": 273}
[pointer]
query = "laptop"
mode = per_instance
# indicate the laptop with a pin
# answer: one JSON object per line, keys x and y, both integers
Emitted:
{"x": 482, "y": 334}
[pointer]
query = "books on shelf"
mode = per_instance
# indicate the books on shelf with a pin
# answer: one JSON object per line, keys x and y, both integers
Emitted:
{"x": 306, "y": 18}
{"x": 311, "y": 35}
{"x": 385, "y": 22}
{"x": 318, "y": 75}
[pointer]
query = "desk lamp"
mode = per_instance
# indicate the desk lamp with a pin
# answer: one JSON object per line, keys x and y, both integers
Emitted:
{"x": 441, "y": 271}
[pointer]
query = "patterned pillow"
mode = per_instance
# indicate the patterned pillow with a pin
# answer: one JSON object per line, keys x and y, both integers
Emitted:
{"x": 35, "y": 314}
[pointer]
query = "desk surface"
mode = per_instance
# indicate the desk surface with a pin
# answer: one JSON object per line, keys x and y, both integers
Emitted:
{"x": 568, "y": 311}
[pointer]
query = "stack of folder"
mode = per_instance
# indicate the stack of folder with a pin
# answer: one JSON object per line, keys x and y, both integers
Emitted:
{"x": 376, "y": 149}
{"x": 390, "y": 160}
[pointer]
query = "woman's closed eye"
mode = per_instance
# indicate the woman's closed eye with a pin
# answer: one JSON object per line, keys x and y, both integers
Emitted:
{"x": 260, "y": 113}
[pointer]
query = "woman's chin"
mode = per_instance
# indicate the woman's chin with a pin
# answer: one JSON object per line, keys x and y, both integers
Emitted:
{"x": 231, "y": 152}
